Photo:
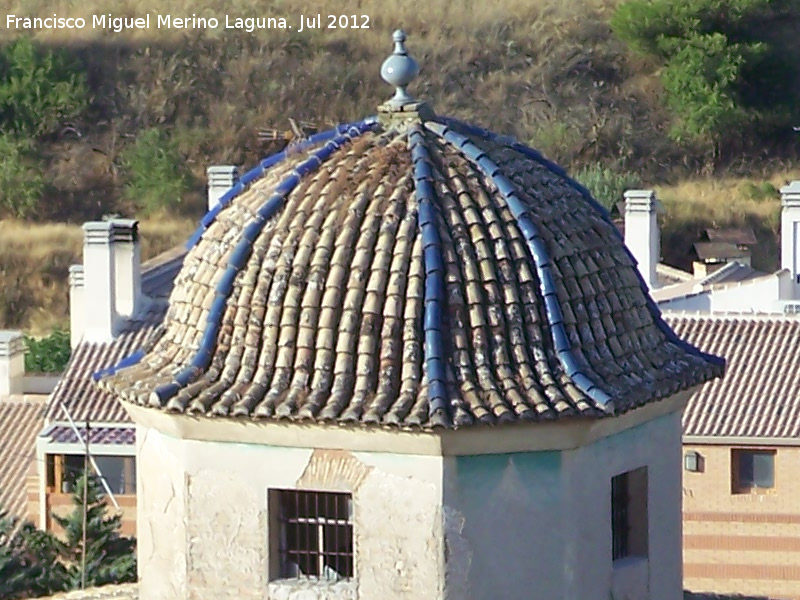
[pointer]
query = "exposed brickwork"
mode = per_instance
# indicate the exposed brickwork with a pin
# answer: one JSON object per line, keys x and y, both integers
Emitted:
{"x": 745, "y": 543}
{"x": 768, "y": 543}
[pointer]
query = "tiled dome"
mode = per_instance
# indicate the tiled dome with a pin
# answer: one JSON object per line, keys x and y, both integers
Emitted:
{"x": 409, "y": 270}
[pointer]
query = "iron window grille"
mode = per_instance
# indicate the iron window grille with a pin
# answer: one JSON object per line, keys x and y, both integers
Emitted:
{"x": 619, "y": 516}
{"x": 315, "y": 534}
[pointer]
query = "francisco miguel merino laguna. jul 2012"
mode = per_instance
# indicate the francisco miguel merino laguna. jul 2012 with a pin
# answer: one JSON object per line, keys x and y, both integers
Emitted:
{"x": 249, "y": 24}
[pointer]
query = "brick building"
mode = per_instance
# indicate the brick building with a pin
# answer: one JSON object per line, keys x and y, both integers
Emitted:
{"x": 741, "y": 477}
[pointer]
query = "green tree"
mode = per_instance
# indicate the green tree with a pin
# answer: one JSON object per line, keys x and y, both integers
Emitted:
{"x": 48, "y": 354}
{"x": 29, "y": 564}
{"x": 21, "y": 182}
{"x": 110, "y": 558}
{"x": 14, "y": 576}
{"x": 156, "y": 175}
{"x": 39, "y": 89}
{"x": 723, "y": 74}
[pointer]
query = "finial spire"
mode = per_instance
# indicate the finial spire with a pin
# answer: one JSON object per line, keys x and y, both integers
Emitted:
{"x": 399, "y": 70}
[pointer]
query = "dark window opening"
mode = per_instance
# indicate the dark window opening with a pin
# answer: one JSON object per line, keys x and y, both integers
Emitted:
{"x": 753, "y": 470}
{"x": 629, "y": 518}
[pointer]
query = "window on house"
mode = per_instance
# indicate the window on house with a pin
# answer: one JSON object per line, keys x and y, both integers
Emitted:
{"x": 313, "y": 534}
{"x": 63, "y": 470}
{"x": 753, "y": 470}
{"x": 629, "y": 521}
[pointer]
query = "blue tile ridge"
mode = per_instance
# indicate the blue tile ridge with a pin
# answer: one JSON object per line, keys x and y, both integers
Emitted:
{"x": 263, "y": 166}
{"x": 237, "y": 260}
{"x": 128, "y": 361}
{"x": 434, "y": 354}
{"x": 587, "y": 195}
{"x": 538, "y": 251}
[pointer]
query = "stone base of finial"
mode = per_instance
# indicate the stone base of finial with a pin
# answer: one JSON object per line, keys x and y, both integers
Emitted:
{"x": 389, "y": 112}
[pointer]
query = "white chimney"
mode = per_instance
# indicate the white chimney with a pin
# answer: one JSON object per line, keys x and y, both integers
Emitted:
{"x": 642, "y": 234}
{"x": 127, "y": 266}
{"x": 99, "y": 276}
{"x": 12, "y": 362}
{"x": 790, "y": 234}
{"x": 77, "y": 310}
{"x": 221, "y": 178}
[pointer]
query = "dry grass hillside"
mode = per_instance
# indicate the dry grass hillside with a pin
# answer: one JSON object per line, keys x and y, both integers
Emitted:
{"x": 549, "y": 72}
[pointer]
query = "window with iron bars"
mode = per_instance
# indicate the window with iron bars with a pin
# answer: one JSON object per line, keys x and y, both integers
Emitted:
{"x": 314, "y": 534}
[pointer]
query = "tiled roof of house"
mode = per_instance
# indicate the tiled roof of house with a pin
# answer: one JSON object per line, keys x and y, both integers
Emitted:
{"x": 760, "y": 393}
{"x": 76, "y": 390}
{"x": 743, "y": 235}
{"x": 106, "y": 436}
{"x": 21, "y": 421}
{"x": 718, "y": 250}
{"x": 729, "y": 275}
{"x": 409, "y": 270}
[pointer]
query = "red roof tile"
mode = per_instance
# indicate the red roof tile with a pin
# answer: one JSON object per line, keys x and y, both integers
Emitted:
{"x": 759, "y": 396}
{"x": 20, "y": 422}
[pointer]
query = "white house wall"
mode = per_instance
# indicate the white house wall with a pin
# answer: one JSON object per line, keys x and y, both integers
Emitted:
{"x": 218, "y": 494}
{"x": 586, "y": 520}
{"x": 700, "y": 302}
{"x": 759, "y": 296}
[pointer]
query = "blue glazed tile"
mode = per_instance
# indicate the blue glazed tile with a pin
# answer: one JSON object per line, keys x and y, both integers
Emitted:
{"x": 433, "y": 314}
{"x": 166, "y": 391}
{"x": 225, "y": 283}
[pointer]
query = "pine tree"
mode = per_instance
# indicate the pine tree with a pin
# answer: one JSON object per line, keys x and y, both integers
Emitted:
{"x": 110, "y": 558}
{"x": 13, "y": 571}
{"x": 29, "y": 564}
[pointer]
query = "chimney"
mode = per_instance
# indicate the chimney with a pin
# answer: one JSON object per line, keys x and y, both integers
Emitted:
{"x": 790, "y": 234}
{"x": 221, "y": 178}
{"x": 12, "y": 362}
{"x": 77, "y": 309}
{"x": 127, "y": 266}
{"x": 642, "y": 234}
{"x": 99, "y": 275}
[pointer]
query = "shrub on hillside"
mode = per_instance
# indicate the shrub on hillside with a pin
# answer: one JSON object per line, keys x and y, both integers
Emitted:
{"x": 759, "y": 192}
{"x": 723, "y": 73}
{"x": 606, "y": 185}
{"x": 156, "y": 175}
{"x": 38, "y": 89}
{"x": 48, "y": 354}
{"x": 21, "y": 182}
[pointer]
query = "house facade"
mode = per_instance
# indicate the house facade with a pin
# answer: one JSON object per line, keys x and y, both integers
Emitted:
{"x": 741, "y": 458}
{"x": 23, "y": 398}
{"x": 409, "y": 358}
{"x": 728, "y": 284}
{"x": 117, "y": 304}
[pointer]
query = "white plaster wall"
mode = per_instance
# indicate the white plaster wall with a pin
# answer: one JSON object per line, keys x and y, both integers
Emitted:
{"x": 759, "y": 296}
{"x": 591, "y": 574}
{"x": 538, "y": 525}
{"x": 695, "y": 303}
{"x": 160, "y": 514}
{"x": 224, "y": 540}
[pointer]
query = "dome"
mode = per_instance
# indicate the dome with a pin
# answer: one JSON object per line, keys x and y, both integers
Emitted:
{"x": 409, "y": 270}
